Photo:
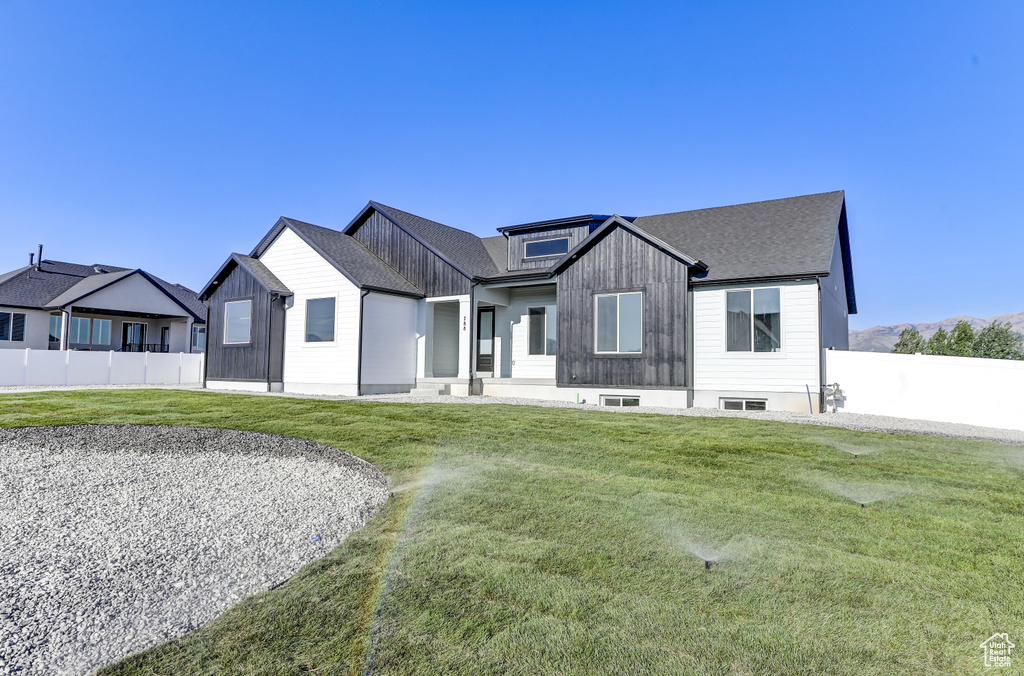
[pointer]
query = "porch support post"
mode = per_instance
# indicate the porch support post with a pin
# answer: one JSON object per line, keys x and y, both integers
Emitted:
{"x": 424, "y": 340}
{"x": 65, "y": 328}
{"x": 465, "y": 337}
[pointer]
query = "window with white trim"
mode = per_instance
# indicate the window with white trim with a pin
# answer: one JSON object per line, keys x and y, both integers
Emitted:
{"x": 609, "y": 400}
{"x": 320, "y": 320}
{"x": 619, "y": 323}
{"x": 753, "y": 320}
{"x": 80, "y": 330}
{"x": 237, "y": 322}
{"x": 539, "y": 248}
{"x": 198, "y": 338}
{"x": 101, "y": 331}
{"x": 12, "y": 326}
{"x": 542, "y": 330}
{"x": 743, "y": 404}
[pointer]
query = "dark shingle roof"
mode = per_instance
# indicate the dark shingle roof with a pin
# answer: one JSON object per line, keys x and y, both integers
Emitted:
{"x": 262, "y": 274}
{"x": 776, "y": 238}
{"x": 462, "y": 249}
{"x": 29, "y": 287}
{"x": 58, "y": 282}
{"x": 353, "y": 259}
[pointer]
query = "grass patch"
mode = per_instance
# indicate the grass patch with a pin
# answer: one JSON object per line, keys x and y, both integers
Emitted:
{"x": 541, "y": 540}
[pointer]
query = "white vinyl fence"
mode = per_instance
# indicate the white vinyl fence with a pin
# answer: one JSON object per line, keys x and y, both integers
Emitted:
{"x": 68, "y": 367}
{"x": 987, "y": 392}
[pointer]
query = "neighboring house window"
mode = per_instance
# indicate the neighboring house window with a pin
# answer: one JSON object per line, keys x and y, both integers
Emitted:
{"x": 12, "y": 326}
{"x": 320, "y": 320}
{"x": 80, "y": 330}
{"x": 101, "y": 331}
{"x": 199, "y": 339}
{"x": 754, "y": 320}
{"x": 543, "y": 330}
{"x": 237, "y": 321}
{"x": 619, "y": 325}
{"x": 547, "y": 247}
{"x": 55, "y": 324}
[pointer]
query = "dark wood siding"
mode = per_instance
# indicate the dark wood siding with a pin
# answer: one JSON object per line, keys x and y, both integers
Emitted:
{"x": 623, "y": 262}
{"x": 252, "y": 361}
{"x": 415, "y": 262}
{"x": 517, "y": 245}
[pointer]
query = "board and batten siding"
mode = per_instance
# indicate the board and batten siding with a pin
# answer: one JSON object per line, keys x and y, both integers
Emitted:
{"x": 389, "y": 344}
{"x": 250, "y": 362}
{"x": 331, "y": 365}
{"x": 517, "y": 246}
{"x": 835, "y": 314}
{"x": 622, "y": 262}
{"x": 412, "y": 260}
{"x": 791, "y": 370}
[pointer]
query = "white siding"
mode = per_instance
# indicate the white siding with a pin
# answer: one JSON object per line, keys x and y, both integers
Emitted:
{"x": 835, "y": 318}
{"x": 308, "y": 275}
{"x": 790, "y": 370}
{"x": 37, "y": 330}
{"x": 389, "y": 341}
{"x": 515, "y": 323}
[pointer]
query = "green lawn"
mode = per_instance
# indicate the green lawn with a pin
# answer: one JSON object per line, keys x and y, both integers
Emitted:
{"x": 539, "y": 540}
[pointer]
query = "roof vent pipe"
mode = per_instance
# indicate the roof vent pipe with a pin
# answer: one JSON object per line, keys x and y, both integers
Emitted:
{"x": 39, "y": 263}
{"x": 31, "y": 259}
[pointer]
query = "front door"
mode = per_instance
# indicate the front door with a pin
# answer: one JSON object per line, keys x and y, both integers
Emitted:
{"x": 485, "y": 340}
{"x": 165, "y": 338}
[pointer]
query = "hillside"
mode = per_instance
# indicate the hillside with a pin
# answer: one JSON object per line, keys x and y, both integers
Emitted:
{"x": 882, "y": 338}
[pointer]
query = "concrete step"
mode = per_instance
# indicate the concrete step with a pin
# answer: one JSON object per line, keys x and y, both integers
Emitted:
{"x": 430, "y": 390}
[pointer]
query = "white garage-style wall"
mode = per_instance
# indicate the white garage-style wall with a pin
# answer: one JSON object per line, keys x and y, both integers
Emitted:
{"x": 389, "y": 344}
{"x": 781, "y": 378}
{"x": 320, "y": 367}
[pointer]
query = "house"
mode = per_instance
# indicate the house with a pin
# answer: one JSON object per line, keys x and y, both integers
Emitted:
{"x": 56, "y": 305}
{"x": 727, "y": 307}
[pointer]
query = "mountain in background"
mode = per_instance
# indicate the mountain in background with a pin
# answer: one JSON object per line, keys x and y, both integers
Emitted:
{"x": 882, "y": 338}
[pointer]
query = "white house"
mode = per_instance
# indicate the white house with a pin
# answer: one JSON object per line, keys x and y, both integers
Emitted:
{"x": 727, "y": 307}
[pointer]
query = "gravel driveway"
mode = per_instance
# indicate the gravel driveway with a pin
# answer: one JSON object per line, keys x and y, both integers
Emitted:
{"x": 115, "y": 538}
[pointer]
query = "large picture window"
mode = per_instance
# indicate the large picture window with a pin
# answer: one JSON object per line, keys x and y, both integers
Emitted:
{"x": 101, "y": 331}
{"x": 12, "y": 326}
{"x": 320, "y": 320}
{"x": 547, "y": 247}
{"x": 237, "y": 321}
{"x": 754, "y": 320}
{"x": 543, "y": 331}
{"x": 80, "y": 330}
{"x": 619, "y": 322}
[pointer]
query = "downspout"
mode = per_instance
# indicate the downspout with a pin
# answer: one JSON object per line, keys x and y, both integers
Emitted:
{"x": 363, "y": 293}
{"x": 821, "y": 357}
{"x": 270, "y": 336}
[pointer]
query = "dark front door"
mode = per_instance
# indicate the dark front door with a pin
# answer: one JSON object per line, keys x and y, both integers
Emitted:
{"x": 133, "y": 337}
{"x": 485, "y": 340}
{"x": 165, "y": 338}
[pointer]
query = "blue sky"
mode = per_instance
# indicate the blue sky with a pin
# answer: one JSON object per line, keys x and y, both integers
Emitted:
{"x": 167, "y": 135}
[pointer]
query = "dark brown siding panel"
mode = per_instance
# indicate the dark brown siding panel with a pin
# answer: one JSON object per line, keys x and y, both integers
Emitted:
{"x": 415, "y": 262}
{"x": 624, "y": 262}
{"x": 517, "y": 246}
{"x": 248, "y": 362}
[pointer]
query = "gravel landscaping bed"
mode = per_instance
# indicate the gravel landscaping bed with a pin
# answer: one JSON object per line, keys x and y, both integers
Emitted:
{"x": 114, "y": 538}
